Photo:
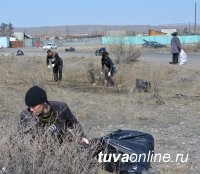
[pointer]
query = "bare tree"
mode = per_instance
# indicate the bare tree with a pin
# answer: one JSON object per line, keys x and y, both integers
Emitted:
{"x": 185, "y": 30}
{"x": 3, "y": 29}
{"x": 10, "y": 29}
{"x": 6, "y": 29}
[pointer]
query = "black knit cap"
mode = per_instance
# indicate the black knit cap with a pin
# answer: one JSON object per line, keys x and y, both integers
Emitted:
{"x": 35, "y": 96}
{"x": 175, "y": 34}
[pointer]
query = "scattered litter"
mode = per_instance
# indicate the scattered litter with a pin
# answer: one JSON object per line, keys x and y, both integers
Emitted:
{"x": 142, "y": 85}
{"x": 20, "y": 53}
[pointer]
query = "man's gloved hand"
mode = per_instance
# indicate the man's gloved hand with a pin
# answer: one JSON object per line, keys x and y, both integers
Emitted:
{"x": 109, "y": 74}
{"x": 49, "y": 66}
{"x": 53, "y": 129}
{"x": 84, "y": 141}
{"x": 52, "y": 65}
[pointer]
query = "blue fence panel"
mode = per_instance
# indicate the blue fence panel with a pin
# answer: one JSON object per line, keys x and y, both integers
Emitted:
{"x": 4, "y": 41}
{"x": 139, "y": 40}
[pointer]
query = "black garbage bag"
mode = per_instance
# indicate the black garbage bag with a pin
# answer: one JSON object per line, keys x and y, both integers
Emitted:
{"x": 20, "y": 53}
{"x": 142, "y": 85}
{"x": 122, "y": 143}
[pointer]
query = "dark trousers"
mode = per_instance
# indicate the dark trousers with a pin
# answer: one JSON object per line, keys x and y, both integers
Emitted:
{"x": 175, "y": 58}
{"x": 110, "y": 79}
{"x": 57, "y": 72}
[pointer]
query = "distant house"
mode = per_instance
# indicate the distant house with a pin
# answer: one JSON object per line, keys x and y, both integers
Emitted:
{"x": 168, "y": 31}
{"x": 24, "y": 40}
{"x": 28, "y": 40}
{"x": 153, "y": 32}
{"x": 12, "y": 39}
{"x": 19, "y": 36}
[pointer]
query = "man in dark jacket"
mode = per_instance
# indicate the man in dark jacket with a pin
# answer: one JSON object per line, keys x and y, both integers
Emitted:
{"x": 48, "y": 116}
{"x": 175, "y": 48}
{"x": 106, "y": 61}
{"x": 55, "y": 62}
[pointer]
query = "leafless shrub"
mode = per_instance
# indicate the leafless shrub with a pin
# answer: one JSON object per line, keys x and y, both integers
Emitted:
{"x": 192, "y": 48}
{"x": 149, "y": 75}
{"x": 123, "y": 75}
{"x": 155, "y": 90}
{"x": 23, "y": 153}
{"x": 93, "y": 73}
{"x": 124, "y": 53}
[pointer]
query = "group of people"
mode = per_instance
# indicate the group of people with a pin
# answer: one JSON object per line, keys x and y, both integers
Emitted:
{"x": 56, "y": 117}
{"x": 54, "y": 62}
{"x": 52, "y": 116}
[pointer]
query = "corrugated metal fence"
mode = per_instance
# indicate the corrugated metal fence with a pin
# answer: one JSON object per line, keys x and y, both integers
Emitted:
{"x": 138, "y": 40}
{"x": 74, "y": 41}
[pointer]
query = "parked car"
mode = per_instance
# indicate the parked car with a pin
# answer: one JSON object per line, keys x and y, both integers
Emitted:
{"x": 71, "y": 49}
{"x": 100, "y": 51}
{"x": 153, "y": 44}
{"x": 50, "y": 46}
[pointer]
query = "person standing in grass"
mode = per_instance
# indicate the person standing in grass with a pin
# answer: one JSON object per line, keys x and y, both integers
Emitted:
{"x": 175, "y": 48}
{"x": 54, "y": 61}
{"x": 49, "y": 116}
{"x": 106, "y": 61}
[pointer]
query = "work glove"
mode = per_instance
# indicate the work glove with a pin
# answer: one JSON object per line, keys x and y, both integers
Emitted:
{"x": 84, "y": 141}
{"x": 49, "y": 66}
{"x": 109, "y": 74}
{"x": 52, "y": 65}
{"x": 53, "y": 129}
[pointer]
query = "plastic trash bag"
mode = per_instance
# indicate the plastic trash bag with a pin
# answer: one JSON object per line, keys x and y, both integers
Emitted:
{"x": 129, "y": 142}
{"x": 142, "y": 85}
{"x": 182, "y": 57}
{"x": 20, "y": 53}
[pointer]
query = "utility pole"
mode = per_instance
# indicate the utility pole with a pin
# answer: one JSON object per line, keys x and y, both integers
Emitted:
{"x": 67, "y": 30}
{"x": 195, "y": 19}
{"x": 189, "y": 27}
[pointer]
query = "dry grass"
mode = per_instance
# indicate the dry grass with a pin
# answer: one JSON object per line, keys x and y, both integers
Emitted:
{"x": 125, "y": 53}
{"x": 89, "y": 102}
{"x": 40, "y": 153}
{"x": 85, "y": 72}
{"x": 191, "y": 48}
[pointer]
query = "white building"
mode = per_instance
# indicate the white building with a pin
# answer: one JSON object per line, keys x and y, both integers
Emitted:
{"x": 168, "y": 31}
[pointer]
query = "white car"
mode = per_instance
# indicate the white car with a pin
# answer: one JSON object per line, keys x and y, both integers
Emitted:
{"x": 50, "y": 46}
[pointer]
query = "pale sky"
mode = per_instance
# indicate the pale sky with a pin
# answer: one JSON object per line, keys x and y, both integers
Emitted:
{"x": 35, "y": 13}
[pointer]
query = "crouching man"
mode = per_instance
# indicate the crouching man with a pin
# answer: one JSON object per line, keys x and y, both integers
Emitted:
{"x": 52, "y": 116}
